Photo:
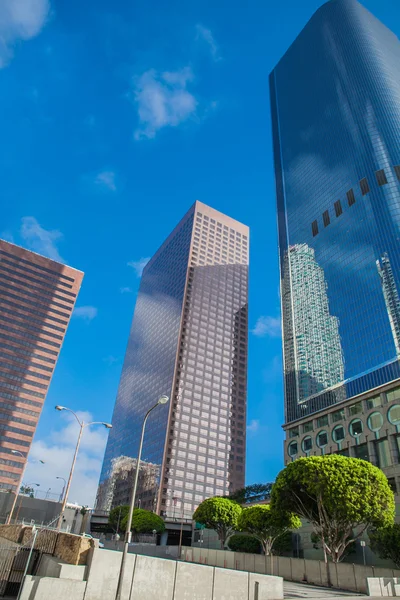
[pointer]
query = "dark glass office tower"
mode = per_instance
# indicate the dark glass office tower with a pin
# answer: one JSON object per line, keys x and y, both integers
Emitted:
{"x": 335, "y": 98}
{"x": 188, "y": 340}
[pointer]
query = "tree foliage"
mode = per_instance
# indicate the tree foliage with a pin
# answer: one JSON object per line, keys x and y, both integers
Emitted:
{"x": 337, "y": 495}
{"x": 244, "y": 543}
{"x": 386, "y": 542}
{"x": 220, "y": 514}
{"x": 283, "y": 544}
{"x": 144, "y": 521}
{"x": 267, "y": 524}
{"x": 117, "y": 515}
{"x": 252, "y": 493}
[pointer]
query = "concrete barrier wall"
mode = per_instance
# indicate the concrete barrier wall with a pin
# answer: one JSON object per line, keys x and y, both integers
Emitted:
{"x": 49, "y": 588}
{"x": 345, "y": 576}
{"x": 151, "y": 578}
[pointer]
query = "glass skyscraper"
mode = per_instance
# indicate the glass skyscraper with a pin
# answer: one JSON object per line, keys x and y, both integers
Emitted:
{"x": 335, "y": 100}
{"x": 188, "y": 340}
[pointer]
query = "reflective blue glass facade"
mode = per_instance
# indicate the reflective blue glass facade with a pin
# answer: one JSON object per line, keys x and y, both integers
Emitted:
{"x": 335, "y": 100}
{"x": 188, "y": 340}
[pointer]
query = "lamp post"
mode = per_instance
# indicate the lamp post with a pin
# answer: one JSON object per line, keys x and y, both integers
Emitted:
{"x": 63, "y": 490}
{"x": 128, "y": 535}
{"x": 82, "y": 426}
{"x": 18, "y": 453}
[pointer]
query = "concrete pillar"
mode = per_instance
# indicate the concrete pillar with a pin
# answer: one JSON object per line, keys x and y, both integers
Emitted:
{"x": 164, "y": 538}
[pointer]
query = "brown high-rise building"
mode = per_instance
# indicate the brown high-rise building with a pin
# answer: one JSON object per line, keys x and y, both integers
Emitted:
{"x": 37, "y": 296}
{"x": 188, "y": 340}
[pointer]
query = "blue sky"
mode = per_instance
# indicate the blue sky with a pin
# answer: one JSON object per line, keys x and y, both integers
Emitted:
{"x": 114, "y": 118}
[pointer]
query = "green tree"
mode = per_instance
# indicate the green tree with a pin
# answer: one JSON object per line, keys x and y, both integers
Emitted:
{"x": 386, "y": 542}
{"x": 117, "y": 515}
{"x": 252, "y": 493}
{"x": 220, "y": 514}
{"x": 337, "y": 495}
{"x": 267, "y": 524}
{"x": 144, "y": 521}
{"x": 244, "y": 543}
{"x": 283, "y": 544}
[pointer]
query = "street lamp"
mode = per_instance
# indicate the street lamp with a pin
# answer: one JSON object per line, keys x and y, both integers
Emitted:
{"x": 128, "y": 534}
{"x": 18, "y": 453}
{"x": 82, "y": 426}
{"x": 62, "y": 491}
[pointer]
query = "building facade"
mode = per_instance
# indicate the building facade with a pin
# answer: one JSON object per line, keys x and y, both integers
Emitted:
{"x": 335, "y": 101}
{"x": 188, "y": 340}
{"x": 37, "y": 297}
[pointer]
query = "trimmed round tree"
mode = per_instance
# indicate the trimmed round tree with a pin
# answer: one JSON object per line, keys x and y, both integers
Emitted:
{"x": 267, "y": 524}
{"x": 144, "y": 521}
{"x": 220, "y": 514}
{"x": 117, "y": 515}
{"x": 337, "y": 495}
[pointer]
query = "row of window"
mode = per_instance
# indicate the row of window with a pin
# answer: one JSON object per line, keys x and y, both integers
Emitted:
{"x": 11, "y": 440}
{"x": 27, "y": 372}
{"x": 6, "y": 293}
{"x": 36, "y": 292}
{"x": 4, "y": 395}
{"x": 29, "y": 336}
{"x": 27, "y": 294}
{"x": 30, "y": 319}
{"x": 22, "y": 323}
{"x": 28, "y": 345}
{"x": 22, "y": 390}
{"x": 351, "y": 199}
{"x": 15, "y": 408}
{"x": 30, "y": 310}
{"x": 340, "y": 415}
{"x": 7, "y": 375}
{"x": 16, "y": 430}
{"x": 34, "y": 279}
{"x": 26, "y": 353}
{"x": 356, "y": 427}
{"x": 38, "y": 267}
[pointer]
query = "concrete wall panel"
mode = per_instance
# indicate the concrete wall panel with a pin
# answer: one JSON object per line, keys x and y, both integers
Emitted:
{"x": 50, "y": 588}
{"x": 265, "y": 587}
{"x": 153, "y": 579}
{"x": 230, "y": 585}
{"x": 193, "y": 582}
{"x": 103, "y": 575}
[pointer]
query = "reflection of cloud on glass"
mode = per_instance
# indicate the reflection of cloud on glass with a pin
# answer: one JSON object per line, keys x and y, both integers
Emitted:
{"x": 313, "y": 352}
{"x": 391, "y": 295}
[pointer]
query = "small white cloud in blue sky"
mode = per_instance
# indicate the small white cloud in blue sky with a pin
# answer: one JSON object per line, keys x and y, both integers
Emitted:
{"x": 88, "y": 313}
{"x": 125, "y": 290}
{"x": 40, "y": 240}
{"x": 20, "y": 20}
{"x": 163, "y": 100}
{"x": 106, "y": 180}
{"x": 205, "y": 34}
{"x": 139, "y": 265}
{"x": 254, "y": 426}
{"x": 267, "y": 327}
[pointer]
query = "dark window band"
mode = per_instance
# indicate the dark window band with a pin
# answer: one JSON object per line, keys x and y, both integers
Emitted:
{"x": 37, "y": 292}
{"x": 30, "y": 327}
{"x": 24, "y": 334}
{"x": 40, "y": 322}
{"x": 39, "y": 296}
{"x": 41, "y": 282}
{"x": 6, "y": 375}
{"x": 39, "y": 267}
{"x": 32, "y": 303}
{"x": 32, "y": 352}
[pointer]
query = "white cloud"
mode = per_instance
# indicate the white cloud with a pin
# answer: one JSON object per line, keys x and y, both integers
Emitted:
{"x": 20, "y": 20}
{"x": 205, "y": 34}
{"x": 267, "y": 327}
{"x": 85, "y": 312}
{"x": 125, "y": 290}
{"x": 139, "y": 265}
{"x": 41, "y": 240}
{"x": 106, "y": 180}
{"x": 57, "y": 453}
{"x": 163, "y": 100}
{"x": 254, "y": 426}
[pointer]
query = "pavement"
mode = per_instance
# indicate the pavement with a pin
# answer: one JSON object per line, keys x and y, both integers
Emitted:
{"x": 303, "y": 590}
